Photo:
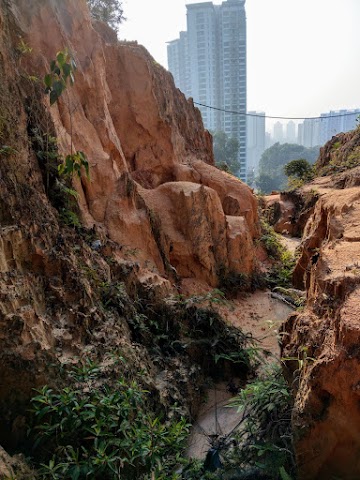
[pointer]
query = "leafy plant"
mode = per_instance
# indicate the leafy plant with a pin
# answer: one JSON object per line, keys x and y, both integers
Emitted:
{"x": 73, "y": 165}
{"x": 70, "y": 218}
{"x": 336, "y": 145}
{"x": 6, "y": 150}
{"x": 301, "y": 360}
{"x": 233, "y": 282}
{"x": 265, "y": 439}
{"x": 87, "y": 430}
{"x": 271, "y": 241}
{"x": 214, "y": 297}
{"x": 280, "y": 274}
{"x": 62, "y": 70}
{"x": 298, "y": 172}
{"x": 301, "y": 169}
{"x": 250, "y": 356}
{"x": 23, "y": 47}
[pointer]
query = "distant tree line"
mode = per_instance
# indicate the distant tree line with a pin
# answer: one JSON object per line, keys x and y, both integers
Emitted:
{"x": 272, "y": 175}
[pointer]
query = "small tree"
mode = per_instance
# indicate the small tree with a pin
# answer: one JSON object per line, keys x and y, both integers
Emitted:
{"x": 108, "y": 11}
{"x": 300, "y": 169}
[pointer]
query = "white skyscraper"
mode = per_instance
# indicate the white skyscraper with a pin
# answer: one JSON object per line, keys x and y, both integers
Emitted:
{"x": 178, "y": 61}
{"x": 255, "y": 140}
{"x": 278, "y": 132}
{"x": 291, "y": 132}
{"x": 216, "y": 39}
{"x": 317, "y": 131}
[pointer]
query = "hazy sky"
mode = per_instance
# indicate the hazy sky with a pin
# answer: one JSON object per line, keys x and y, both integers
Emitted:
{"x": 303, "y": 55}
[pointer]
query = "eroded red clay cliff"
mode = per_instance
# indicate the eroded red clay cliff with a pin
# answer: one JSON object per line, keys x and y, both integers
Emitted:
{"x": 141, "y": 134}
{"x": 159, "y": 208}
{"x": 326, "y": 335}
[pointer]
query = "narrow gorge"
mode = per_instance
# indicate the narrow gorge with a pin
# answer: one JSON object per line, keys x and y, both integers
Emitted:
{"x": 137, "y": 279}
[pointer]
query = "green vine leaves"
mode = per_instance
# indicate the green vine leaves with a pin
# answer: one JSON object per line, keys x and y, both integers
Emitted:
{"x": 62, "y": 70}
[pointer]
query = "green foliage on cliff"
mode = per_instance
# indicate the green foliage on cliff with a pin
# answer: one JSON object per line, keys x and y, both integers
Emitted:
{"x": 108, "y": 11}
{"x": 266, "y": 406}
{"x": 62, "y": 71}
{"x": 280, "y": 274}
{"x": 92, "y": 429}
{"x": 300, "y": 169}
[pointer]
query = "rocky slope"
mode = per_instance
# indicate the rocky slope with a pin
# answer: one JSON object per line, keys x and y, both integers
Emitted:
{"x": 323, "y": 340}
{"x": 147, "y": 149}
{"x": 155, "y": 213}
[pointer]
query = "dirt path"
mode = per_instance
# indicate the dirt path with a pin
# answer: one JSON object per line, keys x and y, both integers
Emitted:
{"x": 291, "y": 243}
{"x": 260, "y": 315}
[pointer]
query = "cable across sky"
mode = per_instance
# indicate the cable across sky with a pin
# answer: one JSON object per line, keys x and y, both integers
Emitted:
{"x": 272, "y": 116}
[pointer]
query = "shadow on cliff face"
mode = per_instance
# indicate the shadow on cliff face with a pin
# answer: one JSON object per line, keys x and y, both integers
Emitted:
{"x": 90, "y": 282}
{"x": 326, "y": 414}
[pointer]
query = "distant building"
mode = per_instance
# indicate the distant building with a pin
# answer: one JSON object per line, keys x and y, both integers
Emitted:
{"x": 291, "y": 132}
{"x": 311, "y": 132}
{"x": 350, "y": 120}
{"x": 301, "y": 134}
{"x": 255, "y": 141}
{"x": 178, "y": 60}
{"x": 317, "y": 131}
{"x": 268, "y": 140}
{"x": 215, "y": 57}
{"x": 278, "y": 132}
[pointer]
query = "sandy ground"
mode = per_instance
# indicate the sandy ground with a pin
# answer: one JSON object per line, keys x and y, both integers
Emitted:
{"x": 291, "y": 243}
{"x": 260, "y": 315}
{"x": 215, "y": 420}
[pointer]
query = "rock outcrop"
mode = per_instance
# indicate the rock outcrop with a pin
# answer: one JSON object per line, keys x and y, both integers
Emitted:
{"x": 154, "y": 212}
{"x": 288, "y": 212}
{"x": 323, "y": 340}
{"x": 139, "y": 134}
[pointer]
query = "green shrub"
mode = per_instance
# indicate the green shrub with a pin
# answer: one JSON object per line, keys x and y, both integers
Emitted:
{"x": 271, "y": 241}
{"x": 299, "y": 169}
{"x": 103, "y": 432}
{"x": 62, "y": 70}
{"x": 280, "y": 274}
{"x": 230, "y": 282}
{"x": 266, "y": 405}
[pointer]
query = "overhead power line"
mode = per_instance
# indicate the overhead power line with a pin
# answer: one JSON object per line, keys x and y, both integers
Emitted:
{"x": 274, "y": 117}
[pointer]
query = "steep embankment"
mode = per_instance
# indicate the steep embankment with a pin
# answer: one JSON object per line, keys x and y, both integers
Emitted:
{"x": 151, "y": 161}
{"x": 324, "y": 339}
{"x": 154, "y": 212}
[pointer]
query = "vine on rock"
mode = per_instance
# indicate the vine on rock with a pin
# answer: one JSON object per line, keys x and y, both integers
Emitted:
{"x": 62, "y": 71}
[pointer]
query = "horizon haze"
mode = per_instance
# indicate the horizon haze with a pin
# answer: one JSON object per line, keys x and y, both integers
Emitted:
{"x": 301, "y": 55}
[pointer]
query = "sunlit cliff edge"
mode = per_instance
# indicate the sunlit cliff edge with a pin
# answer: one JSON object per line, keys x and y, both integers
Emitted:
{"x": 156, "y": 213}
{"x": 155, "y": 218}
{"x": 323, "y": 339}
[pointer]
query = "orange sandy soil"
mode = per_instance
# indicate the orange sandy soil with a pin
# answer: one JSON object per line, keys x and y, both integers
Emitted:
{"x": 260, "y": 315}
{"x": 257, "y": 314}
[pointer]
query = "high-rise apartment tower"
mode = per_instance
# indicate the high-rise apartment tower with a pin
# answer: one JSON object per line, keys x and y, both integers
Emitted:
{"x": 215, "y": 59}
